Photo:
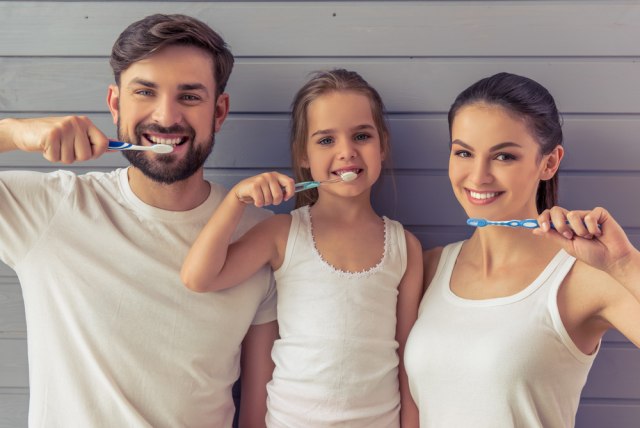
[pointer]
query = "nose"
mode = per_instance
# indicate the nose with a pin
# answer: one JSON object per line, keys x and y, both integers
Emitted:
{"x": 166, "y": 112}
{"x": 481, "y": 172}
{"x": 346, "y": 149}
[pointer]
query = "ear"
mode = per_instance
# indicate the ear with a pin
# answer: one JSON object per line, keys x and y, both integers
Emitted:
{"x": 383, "y": 152}
{"x": 222, "y": 110}
{"x": 551, "y": 162}
{"x": 304, "y": 162}
{"x": 113, "y": 97}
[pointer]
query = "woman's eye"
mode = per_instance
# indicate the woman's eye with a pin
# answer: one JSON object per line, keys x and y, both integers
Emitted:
{"x": 505, "y": 157}
{"x": 462, "y": 153}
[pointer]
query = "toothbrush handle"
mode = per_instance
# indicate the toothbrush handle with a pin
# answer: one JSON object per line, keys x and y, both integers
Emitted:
{"x": 299, "y": 187}
{"x": 119, "y": 145}
{"x": 306, "y": 185}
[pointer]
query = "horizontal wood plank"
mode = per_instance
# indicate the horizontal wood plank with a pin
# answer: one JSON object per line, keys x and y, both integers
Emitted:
{"x": 13, "y": 363}
{"x": 14, "y": 408}
{"x": 419, "y": 142}
{"x": 615, "y": 374}
{"x": 419, "y": 85}
{"x": 399, "y": 28}
{"x": 608, "y": 414}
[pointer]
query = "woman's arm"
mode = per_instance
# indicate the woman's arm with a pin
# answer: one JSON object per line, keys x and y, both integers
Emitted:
{"x": 212, "y": 263}
{"x": 604, "y": 291}
{"x": 410, "y": 293}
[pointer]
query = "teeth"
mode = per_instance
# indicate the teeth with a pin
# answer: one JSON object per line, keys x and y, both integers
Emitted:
{"x": 169, "y": 141}
{"x": 476, "y": 195}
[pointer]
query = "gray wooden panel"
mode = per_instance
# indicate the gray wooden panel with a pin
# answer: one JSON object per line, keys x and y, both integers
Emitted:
{"x": 595, "y": 143}
{"x": 14, "y": 408}
{"x": 608, "y": 414}
{"x": 12, "y": 319}
{"x": 13, "y": 363}
{"x": 79, "y": 84}
{"x": 461, "y": 28}
{"x": 615, "y": 374}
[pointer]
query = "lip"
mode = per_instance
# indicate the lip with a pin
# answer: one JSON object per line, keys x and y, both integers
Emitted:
{"x": 482, "y": 201}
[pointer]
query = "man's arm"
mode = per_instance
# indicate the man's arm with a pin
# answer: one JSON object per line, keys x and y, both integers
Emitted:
{"x": 60, "y": 139}
{"x": 257, "y": 369}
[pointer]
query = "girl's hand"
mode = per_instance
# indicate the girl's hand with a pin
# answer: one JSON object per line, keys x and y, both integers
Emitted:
{"x": 269, "y": 188}
{"x": 603, "y": 247}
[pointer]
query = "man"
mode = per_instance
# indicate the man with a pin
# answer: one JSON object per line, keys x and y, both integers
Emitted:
{"x": 115, "y": 339}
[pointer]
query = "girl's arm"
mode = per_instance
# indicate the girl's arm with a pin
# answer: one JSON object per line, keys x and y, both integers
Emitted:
{"x": 410, "y": 293}
{"x": 212, "y": 263}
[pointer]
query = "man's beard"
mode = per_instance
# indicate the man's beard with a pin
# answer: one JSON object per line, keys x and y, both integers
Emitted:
{"x": 164, "y": 168}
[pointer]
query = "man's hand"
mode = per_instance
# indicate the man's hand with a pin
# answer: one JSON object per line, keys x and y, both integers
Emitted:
{"x": 66, "y": 139}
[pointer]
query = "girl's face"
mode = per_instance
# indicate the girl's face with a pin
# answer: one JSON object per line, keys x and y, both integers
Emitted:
{"x": 495, "y": 163}
{"x": 342, "y": 137}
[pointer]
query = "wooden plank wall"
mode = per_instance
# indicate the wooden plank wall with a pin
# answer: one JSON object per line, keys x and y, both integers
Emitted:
{"x": 419, "y": 54}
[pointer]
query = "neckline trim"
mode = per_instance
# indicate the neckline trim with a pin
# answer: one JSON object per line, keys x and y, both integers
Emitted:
{"x": 343, "y": 273}
{"x": 556, "y": 261}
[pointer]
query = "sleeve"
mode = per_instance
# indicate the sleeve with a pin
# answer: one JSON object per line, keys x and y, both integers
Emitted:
{"x": 267, "y": 311}
{"x": 29, "y": 203}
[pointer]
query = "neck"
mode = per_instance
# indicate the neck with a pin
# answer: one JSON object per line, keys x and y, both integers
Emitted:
{"x": 344, "y": 210}
{"x": 500, "y": 247}
{"x": 183, "y": 195}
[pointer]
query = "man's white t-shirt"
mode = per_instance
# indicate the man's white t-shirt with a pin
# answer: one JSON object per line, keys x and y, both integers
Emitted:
{"x": 114, "y": 337}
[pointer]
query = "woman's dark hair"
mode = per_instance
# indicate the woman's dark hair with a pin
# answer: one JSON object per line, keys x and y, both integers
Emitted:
{"x": 142, "y": 38}
{"x": 528, "y": 100}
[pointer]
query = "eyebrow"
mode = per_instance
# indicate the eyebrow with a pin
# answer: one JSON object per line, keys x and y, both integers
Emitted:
{"x": 181, "y": 87}
{"x": 331, "y": 131}
{"x": 500, "y": 146}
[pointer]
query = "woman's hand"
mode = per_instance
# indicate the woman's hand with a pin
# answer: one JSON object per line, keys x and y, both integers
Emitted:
{"x": 592, "y": 236}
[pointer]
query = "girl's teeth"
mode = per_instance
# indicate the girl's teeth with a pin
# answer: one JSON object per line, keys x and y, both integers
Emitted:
{"x": 476, "y": 195}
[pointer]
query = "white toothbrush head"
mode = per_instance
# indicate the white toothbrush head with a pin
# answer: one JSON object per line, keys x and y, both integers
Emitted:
{"x": 348, "y": 176}
{"x": 162, "y": 148}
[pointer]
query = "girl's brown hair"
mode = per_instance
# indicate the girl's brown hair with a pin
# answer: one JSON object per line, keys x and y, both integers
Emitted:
{"x": 321, "y": 83}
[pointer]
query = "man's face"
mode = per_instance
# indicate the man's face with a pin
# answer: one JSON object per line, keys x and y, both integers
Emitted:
{"x": 169, "y": 98}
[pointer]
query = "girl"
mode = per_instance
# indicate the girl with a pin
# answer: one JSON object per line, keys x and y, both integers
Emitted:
{"x": 342, "y": 272}
{"x": 510, "y": 323}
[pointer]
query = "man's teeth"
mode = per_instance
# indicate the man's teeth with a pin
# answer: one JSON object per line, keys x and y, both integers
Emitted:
{"x": 476, "y": 195}
{"x": 169, "y": 141}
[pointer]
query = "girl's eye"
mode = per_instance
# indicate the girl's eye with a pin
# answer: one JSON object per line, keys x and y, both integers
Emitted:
{"x": 361, "y": 137}
{"x": 505, "y": 157}
{"x": 325, "y": 141}
{"x": 462, "y": 153}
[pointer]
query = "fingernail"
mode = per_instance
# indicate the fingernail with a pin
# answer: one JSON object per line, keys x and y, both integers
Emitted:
{"x": 568, "y": 235}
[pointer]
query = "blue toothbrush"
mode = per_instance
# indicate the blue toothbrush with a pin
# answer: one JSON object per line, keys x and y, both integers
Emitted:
{"x": 156, "y": 148}
{"x": 528, "y": 223}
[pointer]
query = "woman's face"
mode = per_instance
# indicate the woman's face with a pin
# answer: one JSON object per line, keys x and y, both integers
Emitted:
{"x": 495, "y": 163}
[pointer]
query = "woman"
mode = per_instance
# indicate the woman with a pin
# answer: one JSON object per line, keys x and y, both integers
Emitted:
{"x": 511, "y": 322}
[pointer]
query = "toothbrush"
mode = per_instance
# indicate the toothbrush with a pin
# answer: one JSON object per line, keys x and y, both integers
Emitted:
{"x": 306, "y": 185}
{"x": 529, "y": 223}
{"x": 156, "y": 148}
